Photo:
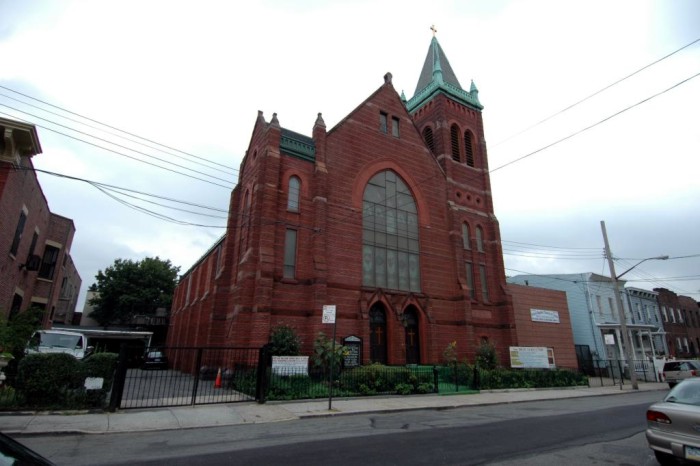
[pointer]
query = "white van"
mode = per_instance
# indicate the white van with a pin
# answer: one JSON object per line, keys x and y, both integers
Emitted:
{"x": 59, "y": 341}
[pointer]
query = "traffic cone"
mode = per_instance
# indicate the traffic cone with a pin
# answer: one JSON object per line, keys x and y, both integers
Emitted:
{"x": 217, "y": 382}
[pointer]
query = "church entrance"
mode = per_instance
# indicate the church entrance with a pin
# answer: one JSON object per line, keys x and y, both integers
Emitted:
{"x": 377, "y": 334}
{"x": 412, "y": 341}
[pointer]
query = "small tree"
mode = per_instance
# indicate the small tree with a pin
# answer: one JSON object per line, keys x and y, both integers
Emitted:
{"x": 284, "y": 341}
{"x": 323, "y": 353}
{"x": 486, "y": 357}
{"x": 15, "y": 333}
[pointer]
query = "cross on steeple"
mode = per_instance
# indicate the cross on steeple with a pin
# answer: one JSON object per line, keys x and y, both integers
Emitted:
{"x": 434, "y": 29}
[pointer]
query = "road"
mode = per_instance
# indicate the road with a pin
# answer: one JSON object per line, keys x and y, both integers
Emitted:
{"x": 582, "y": 431}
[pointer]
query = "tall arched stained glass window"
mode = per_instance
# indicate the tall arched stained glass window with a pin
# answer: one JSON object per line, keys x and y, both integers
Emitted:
{"x": 293, "y": 194}
{"x": 390, "y": 253}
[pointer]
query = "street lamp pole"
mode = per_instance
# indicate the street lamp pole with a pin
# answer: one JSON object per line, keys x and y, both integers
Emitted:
{"x": 626, "y": 342}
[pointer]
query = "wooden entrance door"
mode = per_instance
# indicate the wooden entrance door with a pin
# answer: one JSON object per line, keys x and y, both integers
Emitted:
{"x": 377, "y": 334}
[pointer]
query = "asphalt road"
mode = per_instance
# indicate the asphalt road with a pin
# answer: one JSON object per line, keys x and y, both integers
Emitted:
{"x": 595, "y": 430}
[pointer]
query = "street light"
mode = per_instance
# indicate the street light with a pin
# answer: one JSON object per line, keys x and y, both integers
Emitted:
{"x": 626, "y": 343}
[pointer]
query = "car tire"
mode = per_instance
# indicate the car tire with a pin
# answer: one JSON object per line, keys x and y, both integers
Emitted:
{"x": 665, "y": 459}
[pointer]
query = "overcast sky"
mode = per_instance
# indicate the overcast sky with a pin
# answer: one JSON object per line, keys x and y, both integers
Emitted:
{"x": 192, "y": 76}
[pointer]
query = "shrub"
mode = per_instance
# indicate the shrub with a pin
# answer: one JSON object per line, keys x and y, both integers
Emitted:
{"x": 100, "y": 365}
{"x": 44, "y": 379}
{"x": 284, "y": 341}
{"x": 324, "y": 354}
{"x": 486, "y": 357}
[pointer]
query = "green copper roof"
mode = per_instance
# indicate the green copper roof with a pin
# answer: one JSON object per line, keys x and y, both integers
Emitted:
{"x": 297, "y": 145}
{"x": 437, "y": 77}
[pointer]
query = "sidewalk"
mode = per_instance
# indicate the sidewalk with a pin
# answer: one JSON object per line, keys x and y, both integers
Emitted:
{"x": 189, "y": 417}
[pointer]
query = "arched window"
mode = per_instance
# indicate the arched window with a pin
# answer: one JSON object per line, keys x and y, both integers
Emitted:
{"x": 466, "y": 242}
{"x": 293, "y": 191}
{"x": 454, "y": 138}
{"x": 428, "y": 138}
{"x": 479, "y": 239}
{"x": 390, "y": 254}
{"x": 469, "y": 147}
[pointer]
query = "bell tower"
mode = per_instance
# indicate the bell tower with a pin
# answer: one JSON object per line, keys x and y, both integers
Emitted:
{"x": 450, "y": 122}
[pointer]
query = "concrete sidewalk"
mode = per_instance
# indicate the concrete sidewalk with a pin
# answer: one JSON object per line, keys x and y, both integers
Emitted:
{"x": 189, "y": 417}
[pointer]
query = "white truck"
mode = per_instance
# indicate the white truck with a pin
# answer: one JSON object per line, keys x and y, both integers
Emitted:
{"x": 83, "y": 342}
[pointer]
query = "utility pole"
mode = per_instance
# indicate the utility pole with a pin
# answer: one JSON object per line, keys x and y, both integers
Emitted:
{"x": 626, "y": 342}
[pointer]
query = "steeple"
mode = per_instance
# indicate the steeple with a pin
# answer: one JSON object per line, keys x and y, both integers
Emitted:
{"x": 436, "y": 77}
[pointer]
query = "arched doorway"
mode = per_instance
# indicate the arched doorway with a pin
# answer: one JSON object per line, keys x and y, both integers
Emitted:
{"x": 377, "y": 334}
{"x": 410, "y": 321}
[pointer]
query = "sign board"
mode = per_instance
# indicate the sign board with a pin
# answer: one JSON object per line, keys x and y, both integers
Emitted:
{"x": 609, "y": 339}
{"x": 541, "y": 315}
{"x": 290, "y": 365}
{"x": 94, "y": 383}
{"x": 353, "y": 356}
{"x": 529, "y": 357}
{"x": 328, "y": 314}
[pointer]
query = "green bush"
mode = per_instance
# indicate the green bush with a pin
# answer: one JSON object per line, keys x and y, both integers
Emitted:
{"x": 57, "y": 380}
{"x": 45, "y": 379}
{"x": 284, "y": 341}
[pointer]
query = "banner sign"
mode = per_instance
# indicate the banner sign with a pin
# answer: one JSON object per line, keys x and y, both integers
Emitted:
{"x": 290, "y": 365}
{"x": 528, "y": 357}
{"x": 541, "y": 315}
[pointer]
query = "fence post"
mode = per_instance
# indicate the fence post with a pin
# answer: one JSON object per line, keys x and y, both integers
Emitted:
{"x": 261, "y": 382}
{"x": 119, "y": 378}
{"x": 197, "y": 368}
{"x": 435, "y": 380}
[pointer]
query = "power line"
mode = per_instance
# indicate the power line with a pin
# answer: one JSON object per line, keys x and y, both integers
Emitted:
{"x": 122, "y": 154}
{"x": 112, "y": 127}
{"x": 595, "y": 93}
{"x": 114, "y": 143}
{"x": 594, "y": 124}
{"x": 113, "y": 134}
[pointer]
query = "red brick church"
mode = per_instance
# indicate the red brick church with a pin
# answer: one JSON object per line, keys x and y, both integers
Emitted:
{"x": 388, "y": 216}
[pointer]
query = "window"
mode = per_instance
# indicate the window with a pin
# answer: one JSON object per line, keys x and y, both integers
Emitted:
{"x": 290, "y": 254}
{"x": 395, "y": 127}
{"x": 48, "y": 263}
{"x": 639, "y": 312}
{"x": 390, "y": 252}
{"x": 428, "y": 138}
{"x": 18, "y": 232}
{"x": 470, "y": 280}
{"x": 465, "y": 236}
{"x": 611, "y": 306}
{"x": 685, "y": 344}
{"x": 484, "y": 285}
{"x": 479, "y": 239}
{"x": 468, "y": 148}
{"x": 680, "y": 316}
{"x": 32, "y": 246}
{"x": 600, "y": 305}
{"x": 293, "y": 194}
{"x": 673, "y": 315}
{"x": 663, "y": 311}
{"x": 454, "y": 138}
{"x": 550, "y": 357}
{"x": 382, "y": 122}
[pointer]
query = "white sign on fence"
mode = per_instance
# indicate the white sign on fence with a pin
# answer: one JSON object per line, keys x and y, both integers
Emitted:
{"x": 290, "y": 365}
{"x": 94, "y": 383}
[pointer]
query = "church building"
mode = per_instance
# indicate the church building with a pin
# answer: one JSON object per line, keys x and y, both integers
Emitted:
{"x": 388, "y": 216}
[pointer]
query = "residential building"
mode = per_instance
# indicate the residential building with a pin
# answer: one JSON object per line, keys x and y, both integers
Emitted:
{"x": 691, "y": 314}
{"x": 34, "y": 242}
{"x": 674, "y": 322}
{"x": 388, "y": 217}
{"x": 644, "y": 308}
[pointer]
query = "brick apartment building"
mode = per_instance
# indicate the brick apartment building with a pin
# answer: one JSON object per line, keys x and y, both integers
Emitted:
{"x": 681, "y": 321}
{"x": 388, "y": 216}
{"x": 35, "y": 263}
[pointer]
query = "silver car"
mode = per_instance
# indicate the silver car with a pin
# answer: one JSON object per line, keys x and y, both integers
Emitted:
{"x": 673, "y": 424}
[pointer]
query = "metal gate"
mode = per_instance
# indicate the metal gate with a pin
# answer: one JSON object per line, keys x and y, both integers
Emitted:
{"x": 165, "y": 376}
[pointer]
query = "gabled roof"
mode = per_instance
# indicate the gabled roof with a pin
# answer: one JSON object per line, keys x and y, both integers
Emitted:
{"x": 437, "y": 77}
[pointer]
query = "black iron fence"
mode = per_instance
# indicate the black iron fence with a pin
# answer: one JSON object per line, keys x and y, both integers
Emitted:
{"x": 184, "y": 376}
{"x": 617, "y": 371}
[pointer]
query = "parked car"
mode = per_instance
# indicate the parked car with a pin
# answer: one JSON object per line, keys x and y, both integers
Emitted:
{"x": 13, "y": 452}
{"x": 681, "y": 369}
{"x": 673, "y": 424}
{"x": 155, "y": 359}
